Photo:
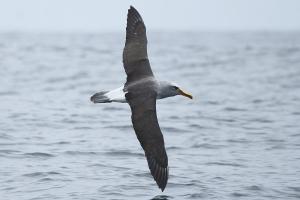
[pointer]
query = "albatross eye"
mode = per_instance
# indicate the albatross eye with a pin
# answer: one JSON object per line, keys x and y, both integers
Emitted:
{"x": 175, "y": 87}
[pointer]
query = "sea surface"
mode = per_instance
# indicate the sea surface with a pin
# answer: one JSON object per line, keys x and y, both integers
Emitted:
{"x": 239, "y": 138}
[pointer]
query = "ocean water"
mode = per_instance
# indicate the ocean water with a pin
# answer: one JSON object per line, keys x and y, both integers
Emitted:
{"x": 238, "y": 139}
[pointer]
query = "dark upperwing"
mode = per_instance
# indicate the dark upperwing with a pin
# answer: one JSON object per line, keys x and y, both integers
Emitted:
{"x": 135, "y": 58}
{"x": 146, "y": 127}
{"x": 142, "y": 98}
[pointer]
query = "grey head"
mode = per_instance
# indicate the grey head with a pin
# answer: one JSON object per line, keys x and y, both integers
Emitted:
{"x": 168, "y": 89}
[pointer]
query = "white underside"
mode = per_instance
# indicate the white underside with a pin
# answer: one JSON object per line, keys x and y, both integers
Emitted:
{"x": 116, "y": 95}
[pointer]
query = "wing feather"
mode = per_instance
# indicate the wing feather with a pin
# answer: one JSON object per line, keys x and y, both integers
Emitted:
{"x": 135, "y": 57}
{"x": 145, "y": 124}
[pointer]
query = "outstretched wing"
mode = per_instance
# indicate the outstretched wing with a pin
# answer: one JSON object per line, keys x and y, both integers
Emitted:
{"x": 135, "y": 58}
{"x": 145, "y": 124}
{"x": 142, "y": 97}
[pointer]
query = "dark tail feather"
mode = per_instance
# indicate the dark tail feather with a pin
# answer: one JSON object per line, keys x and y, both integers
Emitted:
{"x": 100, "y": 97}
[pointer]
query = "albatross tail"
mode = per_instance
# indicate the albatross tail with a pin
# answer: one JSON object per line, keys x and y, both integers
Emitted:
{"x": 100, "y": 97}
{"x": 116, "y": 95}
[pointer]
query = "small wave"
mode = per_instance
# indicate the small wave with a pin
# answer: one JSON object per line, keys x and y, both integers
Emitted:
{"x": 226, "y": 120}
{"x": 173, "y": 148}
{"x": 41, "y": 174}
{"x": 39, "y": 154}
{"x": 234, "y": 109}
{"x": 100, "y": 165}
{"x": 273, "y": 140}
{"x": 254, "y": 188}
{"x": 174, "y": 130}
{"x": 110, "y": 108}
{"x": 80, "y": 152}
{"x": 238, "y": 194}
{"x": 8, "y": 93}
{"x": 8, "y": 151}
{"x": 174, "y": 117}
{"x": 208, "y": 146}
{"x": 296, "y": 189}
{"x": 9, "y": 188}
{"x": 225, "y": 164}
{"x": 144, "y": 174}
{"x": 120, "y": 127}
{"x": 196, "y": 196}
{"x": 197, "y": 126}
{"x": 69, "y": 121}
{"x": 17, "y": 115}
{"x": 61, "y": 143}
{"x": 82, "y": 128}
{"x": 182, "y": 184}
{"x": 46, "y": 179}
{"x": 250, "y": 128}
{"x": 262, "y": 120}
{"x": 219, "y": 178}
{"x": 295, "y": 113}
{"x": 279, "y": 146}
{"x": 13, "y": 143}
{"x": 212, "y": 102}
{"x": 109, "y": 193}
{"x": 242, "y": 141}
{"x": 257, "y": 101}
{"x": 296, "y": 135}
{"x": 5, "y": 136}
{"x": 123, "y": 153}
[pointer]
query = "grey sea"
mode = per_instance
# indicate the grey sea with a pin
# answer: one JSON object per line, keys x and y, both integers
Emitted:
{"x": 238, "y": 139}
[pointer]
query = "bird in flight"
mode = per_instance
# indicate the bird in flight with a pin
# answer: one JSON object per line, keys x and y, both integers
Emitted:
{"x": 141, "y": 91}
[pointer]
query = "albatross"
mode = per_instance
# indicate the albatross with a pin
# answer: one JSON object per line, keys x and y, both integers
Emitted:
{"x": 141, "y": 91}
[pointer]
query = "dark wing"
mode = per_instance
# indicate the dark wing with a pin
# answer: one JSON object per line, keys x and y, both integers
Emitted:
{"x": 142, "y": 98}
{"x": 135, "y": 58}
{"x": 148, "y": 132}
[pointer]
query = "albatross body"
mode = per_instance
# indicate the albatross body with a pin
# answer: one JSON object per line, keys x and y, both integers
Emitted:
{"x": 164, "y": 90}
{"x": 141, "y": 91}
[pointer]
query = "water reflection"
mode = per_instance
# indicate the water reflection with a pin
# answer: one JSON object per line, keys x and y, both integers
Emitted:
{"x": 162, "y": 197}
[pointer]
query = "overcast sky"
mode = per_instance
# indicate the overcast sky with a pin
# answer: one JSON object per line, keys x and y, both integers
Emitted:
{"x": 110, "y": 15}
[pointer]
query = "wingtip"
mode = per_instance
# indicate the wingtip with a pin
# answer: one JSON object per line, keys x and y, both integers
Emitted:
{"x": 131, "y": 7}
{"x": 159, "y": 173}
{"x": 92, "y": 98}
{"x": 163, "y": 188}
{"x": 132, "y": 10}
{"x": 163, "y": 183}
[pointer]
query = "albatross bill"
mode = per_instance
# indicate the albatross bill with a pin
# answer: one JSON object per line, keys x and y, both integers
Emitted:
{"x": 181, "y": 92}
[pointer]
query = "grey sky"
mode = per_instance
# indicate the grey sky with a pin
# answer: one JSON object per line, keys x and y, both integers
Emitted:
{"x": 98, "y": 15}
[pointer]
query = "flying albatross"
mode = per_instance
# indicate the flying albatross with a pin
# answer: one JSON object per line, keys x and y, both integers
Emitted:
{"x": 141, "y": 91}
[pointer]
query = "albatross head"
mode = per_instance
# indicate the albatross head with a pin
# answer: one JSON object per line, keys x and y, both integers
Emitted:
{"x": 167, "y": 89}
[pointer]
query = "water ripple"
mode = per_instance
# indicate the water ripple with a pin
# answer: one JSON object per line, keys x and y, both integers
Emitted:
{"x": 39, "y": 155}
{"x": 239, "y": 194}
{"x": 208, "y": 146}
{"x": 73, "y": 153}
{"x": 162, "y": 197}
{"x": 238, "y": 139}
{"x": 225, "y": 164}
{"x": 41, "y": 174}
{"x": 123, "y": 153}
